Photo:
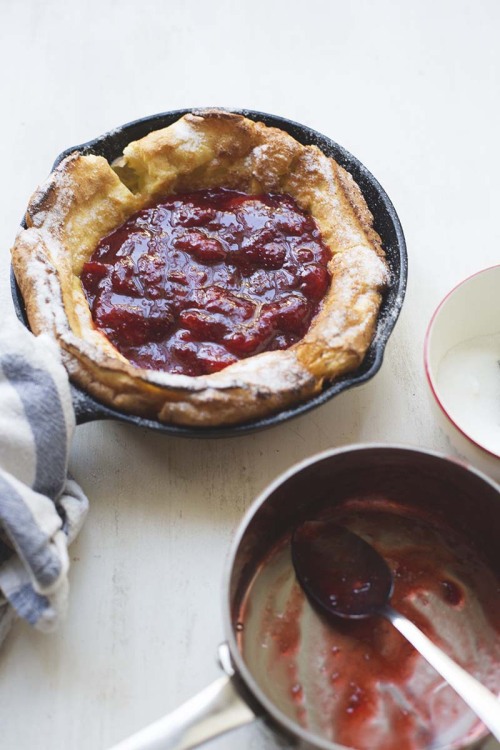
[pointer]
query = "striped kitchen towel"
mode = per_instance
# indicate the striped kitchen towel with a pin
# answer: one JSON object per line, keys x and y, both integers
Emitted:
{"x": 41, "y": 509}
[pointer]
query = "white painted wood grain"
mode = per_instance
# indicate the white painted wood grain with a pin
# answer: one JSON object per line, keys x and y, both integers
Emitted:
{"x": 412, "y": 90}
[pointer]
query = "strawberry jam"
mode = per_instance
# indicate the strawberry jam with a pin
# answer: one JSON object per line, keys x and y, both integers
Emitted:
{"x": 199, "y": 281}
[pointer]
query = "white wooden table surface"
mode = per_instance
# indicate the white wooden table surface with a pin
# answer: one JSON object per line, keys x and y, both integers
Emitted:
{"x": 412, "y": 90}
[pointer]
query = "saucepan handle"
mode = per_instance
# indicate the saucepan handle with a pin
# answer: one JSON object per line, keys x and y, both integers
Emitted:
{"x": 216, "y": 710}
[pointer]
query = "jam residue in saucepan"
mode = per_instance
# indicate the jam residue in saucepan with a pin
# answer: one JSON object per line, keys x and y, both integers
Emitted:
{"x": 360, "y": 683}
{"x": 199, "y": 281}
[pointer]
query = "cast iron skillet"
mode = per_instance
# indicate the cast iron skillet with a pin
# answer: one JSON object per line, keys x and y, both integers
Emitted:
{"x": 386, "y": 222}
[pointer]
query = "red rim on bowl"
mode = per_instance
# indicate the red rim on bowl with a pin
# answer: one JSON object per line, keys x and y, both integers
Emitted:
{"x": 431, "y": 381}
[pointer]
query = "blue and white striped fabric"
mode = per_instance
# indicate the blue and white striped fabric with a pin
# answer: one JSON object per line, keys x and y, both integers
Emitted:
{"x": 41, "y": 509}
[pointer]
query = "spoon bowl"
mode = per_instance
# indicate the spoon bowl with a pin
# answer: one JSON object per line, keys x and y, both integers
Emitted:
{"x": 346, "y": 577}
{"x": 340, "y": 572}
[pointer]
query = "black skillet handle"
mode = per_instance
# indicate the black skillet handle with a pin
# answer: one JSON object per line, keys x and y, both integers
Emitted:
{"x": 86, "y": 409}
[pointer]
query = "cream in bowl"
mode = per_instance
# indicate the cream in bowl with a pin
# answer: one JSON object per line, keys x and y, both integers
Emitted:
{"x": 462, "y": 363}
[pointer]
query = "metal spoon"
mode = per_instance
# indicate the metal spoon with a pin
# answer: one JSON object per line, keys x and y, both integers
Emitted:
{"x": 348, "y": 578}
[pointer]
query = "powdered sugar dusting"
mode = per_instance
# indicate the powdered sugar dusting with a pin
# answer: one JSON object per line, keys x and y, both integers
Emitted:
{"x": 271, "y": 371}
{"x": 192, "y": 139}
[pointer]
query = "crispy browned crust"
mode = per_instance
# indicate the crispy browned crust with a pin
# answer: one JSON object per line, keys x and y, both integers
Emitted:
{"x": 85, "y": 198}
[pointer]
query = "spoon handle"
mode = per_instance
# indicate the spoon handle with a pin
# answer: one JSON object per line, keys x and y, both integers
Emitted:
{"x": 483, "y": 702}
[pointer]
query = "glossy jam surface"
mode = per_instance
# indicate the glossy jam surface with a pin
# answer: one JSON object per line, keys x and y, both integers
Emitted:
{"x": 201, "y": 280}
{"x": 359, "y": 682}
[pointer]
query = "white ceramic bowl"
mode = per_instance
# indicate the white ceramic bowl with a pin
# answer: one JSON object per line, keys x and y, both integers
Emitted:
{"x": 462, "y": 364}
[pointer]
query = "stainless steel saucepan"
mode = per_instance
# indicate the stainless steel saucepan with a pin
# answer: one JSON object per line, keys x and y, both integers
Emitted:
{"x": 276, "y": 654}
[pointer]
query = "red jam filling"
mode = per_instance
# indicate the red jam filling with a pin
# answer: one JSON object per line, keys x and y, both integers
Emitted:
{"x": 199, "y": 281}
